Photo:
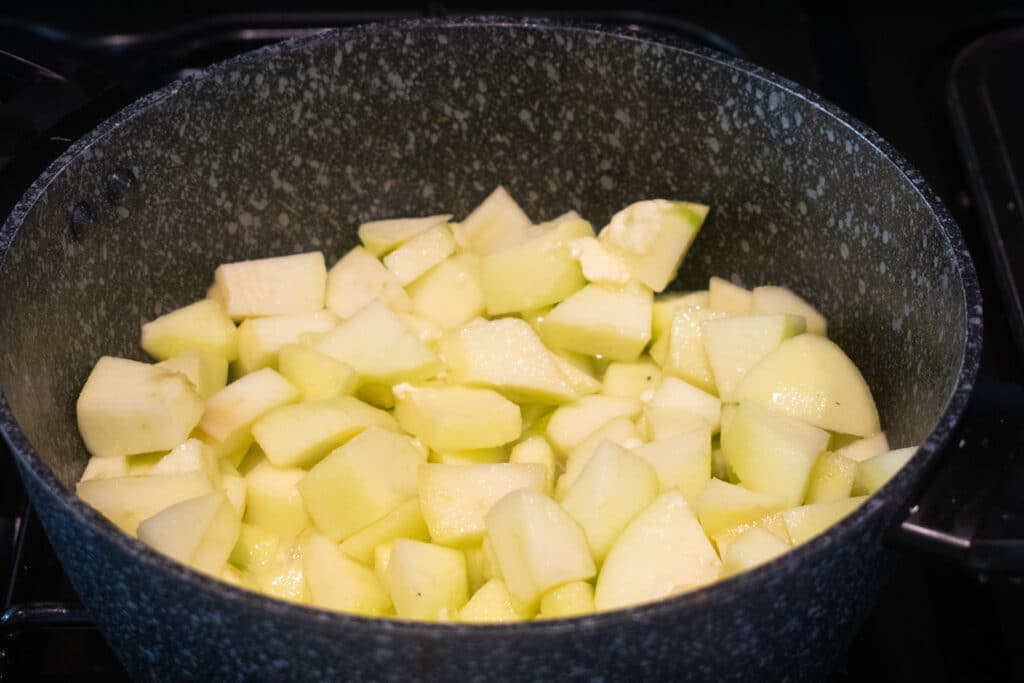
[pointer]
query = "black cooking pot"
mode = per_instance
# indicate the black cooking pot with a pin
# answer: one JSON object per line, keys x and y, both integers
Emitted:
{"x": 288, "y": 148}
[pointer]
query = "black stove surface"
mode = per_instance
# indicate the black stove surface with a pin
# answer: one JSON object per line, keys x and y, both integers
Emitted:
{"x": 935, "y": 621}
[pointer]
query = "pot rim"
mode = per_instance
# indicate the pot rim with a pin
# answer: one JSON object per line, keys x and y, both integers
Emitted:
{"x": 786, "y": 563}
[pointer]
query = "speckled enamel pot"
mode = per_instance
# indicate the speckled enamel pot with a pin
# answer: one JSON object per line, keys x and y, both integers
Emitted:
{"x": 288, "y": 148}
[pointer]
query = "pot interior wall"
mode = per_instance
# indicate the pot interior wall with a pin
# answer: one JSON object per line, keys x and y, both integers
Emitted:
{"x": 290, "y": 151}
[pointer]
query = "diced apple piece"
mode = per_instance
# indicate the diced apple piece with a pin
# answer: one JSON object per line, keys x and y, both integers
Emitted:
{"x": 771, "y": 300}
{"x": 807, "y": 521}
{"x": 126, "y": 501}
{"x": 613, "y": 487}
{"x": 598, "y": 263}
{"x": 630, "y": 380}
{"x": 238, "y": 405}
{"x": 456, "y": 498}
{"x": 734, "y": 345}
{"x": 380, "y": 237}
{"x": 255, "y": 549}
{"x": 337, "y": 582}
{"x": 862, "y": 449}
{"x": 285, "y": 577}
{"x": 730, "y": 299}
{"x": 191, "y": 456}
{"x": 539, "y": 272}
{"x": 357, "y": 279}
{"x": 619, "y": 431}
{"x": 316, "y": 375}
{"x": 300, "y": 435}
{"x": 507, "y": 355}
{"x": 722, "y": 505}
{"x": 664, "y": 309}
{"x": 615, "y": 324}
{"x": 490, "y": 604}
{"x": 873, "y": 473}
{"x": 202, "y": 326}
{"x": 272, "y": 286}
{"x": 578, "y": 371}
{"x": 421, "y": 253}
{"x": 426, "y": 581}
{"x": 751, "y": 548}
{"x": 685, "y": 356}
{"x": 233, "y": 485}
{"x": 773, "y": 523}
{"x": 233, "y": 449}
{"x": 457, "y": 418}
{"x": 652, "y": 238}
{"x": 199, "y": 532}
{"x": 568, "y": 600}
{"x": 396, "y": 353}
{"x": 260, "y": 339}
{"x": 537, "y": 544}
{"x": 676, "y": 395}
{"x": 451, "y": 293}
{"x": 208, "y": 372}
{"x": 570, "y": 424}
{"x": 536, "y": 450}
{"x": 657, "y": 424}
{"x": 128, "y": 407}
{"x": 360, "y": 482}
{"x": 682, "y": 461}
{"x": 661, "y": 551}
{"x": 770, "y": 452}
{"x": 831, "y": 479}
{"x": 810, "y": 378}
{"x": 497, "y": 223}
{"x": 477, "y": 456}
{"x": 105, "y": 468}
{"x": 272, "y": 499}
{"x": 405, "y": 521}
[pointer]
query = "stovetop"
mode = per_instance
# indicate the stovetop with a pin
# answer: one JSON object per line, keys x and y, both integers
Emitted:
{"x": 907, "y": 77}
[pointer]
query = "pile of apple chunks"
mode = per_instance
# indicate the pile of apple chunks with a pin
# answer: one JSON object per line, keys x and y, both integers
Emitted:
{"x": 482, "y": 421}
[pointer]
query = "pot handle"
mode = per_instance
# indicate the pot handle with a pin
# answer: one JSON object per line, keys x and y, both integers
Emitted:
{"x": 972, "y": 511}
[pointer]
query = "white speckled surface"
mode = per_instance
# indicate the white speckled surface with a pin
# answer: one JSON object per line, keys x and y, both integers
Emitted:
{"x": 291, "y": 148}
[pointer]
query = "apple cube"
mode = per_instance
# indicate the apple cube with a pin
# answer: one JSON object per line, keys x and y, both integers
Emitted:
{"x": 396, "y": 353}
{"x": 202, "y": 326}
{"x": 652, "y": 238}
{"x": 770, "y": 452}
{"x": 807, "y": 521}
{"x": 497, "y": 223}
{"x": 426, "y": 581}
{"x": 684, "y": 354}
{"x": 664, "y": 309}
{"x": 730, "y": 299}
{"x": 260, "y": 339}
{"x": 272, "y": 499}
{"x": 360, "y": 482}
{"x": 614, "y": 486}
{"x": 208, "y": 372}
{"x": 126, "y": 501}
{"x": 490, "y": 604}
{"x": 537, "y": 544}
{"x": 873, "y": 473}
{"x": 507, "y": 355}
{"x": 568, "y": 600}
{"x": 380, "y": 237}
{"x": 772, "y": 300}
{"x": 199, "y": 532}
{"x": 619, "y": 431}
{"x": 859, "y": 450}
{"x": 191, "y": 456}
{"x": 615, "y": 324}
{"x": 722, "y": 506}
{"x": 682, "y": 462}
{"x": 316, "y": 375}
{"x": 457, "y": 418}
{"x": 734, "y": 345}
{"x": 337, "y": 582}
{"x": 405, "y": 521}
{"x": 570, "y": 424}
{"x": 238, "y": 405}
{"x": 536, "y": 450}
{"x": 272, "y": 286}
{"x": 674, "y": 394}
{"x": 661, "y": 552}
{"x": 751, "y": 548}
{"x": 357, "y": 279}
{"x": 127, "y": 407}
{"x": 657, "y": 424}
{"x": 599, "y": 264}
{"x": 810, "y": 378}
{"x": 456, "y": 498}
{"x": 831, "y": 479}
{"x": 232, "y": 449}
{"x": 773, "y": 523}
{"x": 581, "y": 381}
{"x": 451, "y": 293}
{"x": 421, "y": 253}
{"x": 630, "y": 380}
{"x": 105, "y": 468}
{"x": 255, "y": 549}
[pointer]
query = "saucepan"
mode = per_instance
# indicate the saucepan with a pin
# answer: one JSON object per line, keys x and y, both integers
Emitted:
{"x": 288, "y": 148}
